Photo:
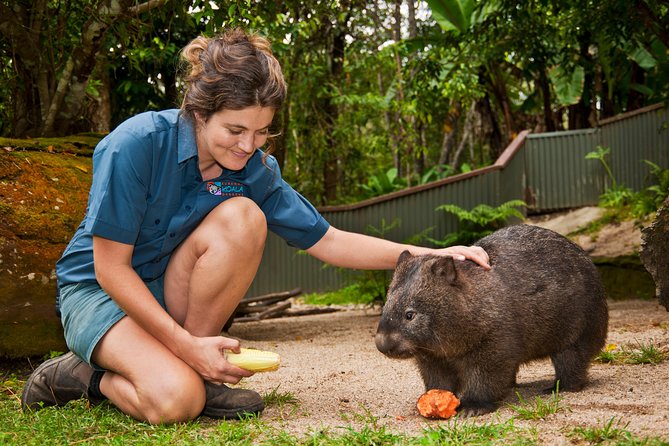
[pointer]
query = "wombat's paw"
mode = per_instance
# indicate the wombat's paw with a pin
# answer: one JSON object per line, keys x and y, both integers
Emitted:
{"x": 475, "y": 408}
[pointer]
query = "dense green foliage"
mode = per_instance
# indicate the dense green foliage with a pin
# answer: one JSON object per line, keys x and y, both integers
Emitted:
{"x": 478, "y": 222}
{"x": 625, "y": 201}
{"x": 420, "y": 88}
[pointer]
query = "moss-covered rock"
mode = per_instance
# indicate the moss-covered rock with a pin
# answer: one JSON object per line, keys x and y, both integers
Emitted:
{"x": 43, "y": 194}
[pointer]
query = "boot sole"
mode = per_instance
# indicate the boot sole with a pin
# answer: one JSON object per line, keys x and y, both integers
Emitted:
{"x": 239, "y": 413}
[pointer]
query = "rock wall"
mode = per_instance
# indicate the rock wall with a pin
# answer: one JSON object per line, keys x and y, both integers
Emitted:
{"x": 43, "y": 195}
{"x": 655, "y": 252}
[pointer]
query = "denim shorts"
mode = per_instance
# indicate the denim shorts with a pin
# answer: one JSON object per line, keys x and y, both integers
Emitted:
{"x": 87, "y": 314}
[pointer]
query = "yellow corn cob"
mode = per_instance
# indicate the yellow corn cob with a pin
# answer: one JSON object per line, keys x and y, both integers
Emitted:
{"x": 254, "y": 360}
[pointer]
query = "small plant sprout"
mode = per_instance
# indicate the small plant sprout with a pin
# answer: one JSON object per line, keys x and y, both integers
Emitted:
{"x": 601, "y": 153}
{"x": 541, "y": 408}
{"x": 280, "y": 399}
{"x": 610, "y": 433}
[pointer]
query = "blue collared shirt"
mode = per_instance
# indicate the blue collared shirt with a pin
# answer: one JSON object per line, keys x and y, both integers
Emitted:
{"x": 147, "y": 191}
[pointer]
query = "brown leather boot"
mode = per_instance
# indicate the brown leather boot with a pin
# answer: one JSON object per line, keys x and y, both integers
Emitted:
{"x": 224, "y": 402}
{"x": 57, "y": 381}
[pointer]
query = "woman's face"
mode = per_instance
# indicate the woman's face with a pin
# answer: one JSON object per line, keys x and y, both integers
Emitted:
{"x": 230, "y": 137}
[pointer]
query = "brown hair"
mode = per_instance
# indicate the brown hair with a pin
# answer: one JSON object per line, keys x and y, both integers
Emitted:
{"x": 232, "y": 71}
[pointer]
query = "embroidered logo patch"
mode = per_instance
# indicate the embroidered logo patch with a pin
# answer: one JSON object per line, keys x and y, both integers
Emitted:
{"x": 225, "y": 188}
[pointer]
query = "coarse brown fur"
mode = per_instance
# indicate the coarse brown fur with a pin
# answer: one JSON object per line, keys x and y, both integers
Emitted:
{"x": 470, "y": 329}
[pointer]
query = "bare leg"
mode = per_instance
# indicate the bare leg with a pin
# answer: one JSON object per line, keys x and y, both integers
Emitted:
{"x": 205, "y": 280}
{"x": 144, "y": 379}
{"x": 213, "y": 268}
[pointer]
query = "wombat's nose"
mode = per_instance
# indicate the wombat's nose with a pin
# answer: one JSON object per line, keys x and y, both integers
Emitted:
{"x": 392, "y": 344}
{"x": 382, "y": 342}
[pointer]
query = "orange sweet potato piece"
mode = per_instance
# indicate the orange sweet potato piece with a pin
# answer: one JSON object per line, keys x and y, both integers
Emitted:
{"x": 437, "y": 403}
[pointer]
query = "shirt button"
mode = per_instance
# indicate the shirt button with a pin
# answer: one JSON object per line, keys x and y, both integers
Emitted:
{"x": 157, "y": 221}
{"x": 172, "y": 234}
{"x": 188, "y": 208}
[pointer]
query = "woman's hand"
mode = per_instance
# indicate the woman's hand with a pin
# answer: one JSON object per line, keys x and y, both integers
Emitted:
{"x": 473, "y": 253}
{"x": 207, "y": 357}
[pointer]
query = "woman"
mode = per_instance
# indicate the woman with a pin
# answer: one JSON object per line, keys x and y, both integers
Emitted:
{"x": 176, "y": 223}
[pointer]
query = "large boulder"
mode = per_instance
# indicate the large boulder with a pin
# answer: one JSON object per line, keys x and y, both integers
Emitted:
{"x": 43, "y": 195}
{"x": 654, "y": 249}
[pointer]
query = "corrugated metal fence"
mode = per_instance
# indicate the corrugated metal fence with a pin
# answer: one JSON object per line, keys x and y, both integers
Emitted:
{"x": 547, "y": 170}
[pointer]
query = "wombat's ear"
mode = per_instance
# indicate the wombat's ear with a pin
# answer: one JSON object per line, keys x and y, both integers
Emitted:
{"x": 404, "y": 256}
{"x": 445, "y": 267}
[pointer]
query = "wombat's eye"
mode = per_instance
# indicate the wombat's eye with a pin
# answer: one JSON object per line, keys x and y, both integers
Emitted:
{"x": 409, "y": 315}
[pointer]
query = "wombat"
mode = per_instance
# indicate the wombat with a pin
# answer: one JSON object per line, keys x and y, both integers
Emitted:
{"x": 470, "y": 329}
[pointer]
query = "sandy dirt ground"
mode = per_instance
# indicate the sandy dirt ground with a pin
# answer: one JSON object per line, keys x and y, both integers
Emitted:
{"x": 340, "y": 380}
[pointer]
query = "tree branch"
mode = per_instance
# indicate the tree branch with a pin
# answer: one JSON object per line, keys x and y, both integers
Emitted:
{"x": 90, "y": 45}
{"x": 138, "y": 9}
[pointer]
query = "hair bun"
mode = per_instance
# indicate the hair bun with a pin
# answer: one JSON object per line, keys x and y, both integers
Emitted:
{"x": 193, "y": 53}
{"x": 231, "y": 71}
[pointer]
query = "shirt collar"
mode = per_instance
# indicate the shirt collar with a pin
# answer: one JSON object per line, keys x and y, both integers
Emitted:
{"x": 186, "y": 145}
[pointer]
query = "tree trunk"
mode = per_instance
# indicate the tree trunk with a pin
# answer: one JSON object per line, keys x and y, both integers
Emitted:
{"x": 544, "y": 86}
{"x": 46, "y": 102}
{"x": 602, "y": 87}
{"x": 286, "y": 113}
{"x": 26, "y": 110}
{"x": 467, "y": 135}
{"x": 579, "y": 114}
{"x": 22, "y": 29}
{"x": 392, "y": 142}
{"x": 494, "y": 80}
{"x": 654, "y": 249}
{"x": 419, "y": 158}
{"x": 100, "y": 113}
{"x": 401, "y": 137}
{"x": 492, "y": 132}
{"x": 413, "y": 136}
{"x": 448, "y": 142}
{"x": 331, "y": 165}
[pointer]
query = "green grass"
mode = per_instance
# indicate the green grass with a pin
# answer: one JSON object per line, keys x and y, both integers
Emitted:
{"x": 632, "y": 354}
{"x": 540, "y": 408}
{"x": 469, "y": 433}
{"x": 286, "y": 402}
{"x": 610, "y": 216}
{"x": 78, "y": 424}
{"x": 613, "y": 433}
{"x": 353, "y": 294}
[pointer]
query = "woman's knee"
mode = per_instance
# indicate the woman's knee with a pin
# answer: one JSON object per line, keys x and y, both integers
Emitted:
{"x": 240, "y": 219}
{"x": 176, "y": 398}
{"x": 245, "y": 209}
